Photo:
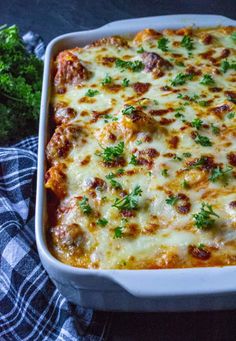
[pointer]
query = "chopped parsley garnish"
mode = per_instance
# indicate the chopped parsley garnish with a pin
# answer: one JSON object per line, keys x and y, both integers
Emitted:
{"x": 113, "y": 182}
{"x": 110, "y": 117}
{"x": 172, "y": 200}
{"x": 197, "y": 123}
{"x": 125, "y": 82}
{"x": 140, "y": 50}
{"x": 118, "y": 232}
{"x": 102, "y": 222}
{"x": 84, "y": 205}
{"x": 135, "y": 66}
{"x": 220, "y": 174}
{"x": 207, "y": 80}
{"x": 181, "y": 64}
{"x": 231, "y": 98}
{"x": 203, "y": 103}
{"x": 164, "y": 173}
{"x": 185, "y": 184}
{"x": 187, "y": 42}
{"x": 226, "y": 65}
{"x": 91, "y": 93}
{"x": 133, "y": 160}
{"x": 179, "y": 115}
{"x": 203, "y": 219}
{"x": 177, "y": 158}
{"x": 203, "y": 140}
{"x": 230, "y": 115}
{"x": 107, "y": 80}
{"x": 155, "y": 102}
{"x": 215, "y": 129}
{"x": 233, "y": 36}
{"x": 181, "y": 79}
{"x": 130, "y": 201}
{"x": 109, "y": 154}
{"x": 138, "y": 142}
{"x": 187, "y": 154}
{"x": 198, "y": 163}
{"x": 128, "y": 110}
{"x": 162, "y": 44}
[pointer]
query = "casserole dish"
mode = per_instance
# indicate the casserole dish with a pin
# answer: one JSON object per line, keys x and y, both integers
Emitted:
{"x": 134, "y": 290}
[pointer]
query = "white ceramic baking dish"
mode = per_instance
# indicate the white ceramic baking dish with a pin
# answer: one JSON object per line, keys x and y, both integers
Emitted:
{"x": 128, "y": 290}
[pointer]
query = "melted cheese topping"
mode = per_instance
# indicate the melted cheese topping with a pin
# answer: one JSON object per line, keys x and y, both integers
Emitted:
{"x": 171, "y": 113}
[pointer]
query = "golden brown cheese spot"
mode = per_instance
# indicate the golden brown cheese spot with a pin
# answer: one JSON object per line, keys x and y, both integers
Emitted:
{"x": 139, "y": 121}
{"x": 146, "y": 34}
{"x": 116, "y": 41}
{"x": 69, "y": 70}
{"x": 55, "y": 180}
{"x": 173, "y": 142}
{"x": 146, "y": 157}
{"x": 183, "y": 206}
{"x": 63, "y": 114}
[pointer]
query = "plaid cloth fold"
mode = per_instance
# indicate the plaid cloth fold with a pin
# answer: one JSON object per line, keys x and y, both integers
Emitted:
{"x": 31, "y": 308}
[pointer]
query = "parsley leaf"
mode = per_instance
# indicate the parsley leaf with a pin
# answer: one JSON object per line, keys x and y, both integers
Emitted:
{"x": 164, "y": 173}
{"x": 207, "y": 80}
{"x": 231, "y": 115}
{"x": 130, "y": 201}
{"x": 215, "y": 129}
{"x": 135, "y": 66}
{"x": 187, "y": 42}
{"x": 109, "y": 154}
{"x": 128, "y": 110}
{"x": 185, "y": 184}
{"x": 204, "y": 219}
{"x": 125, "y": 82}
{"x": 118, "y": 232}
{"x": 113, "y": 182}
{"x": 102, "y": 222}
{"x": 140, "y": 50}
{"x": 91, "y": 93}
{"x": 197, "y": 123}
{"x": 233, "y": 36}
{"x": 203, "y": 140}
{"x": 220, "y": 174}
{"x": 226, "y": 65}
{"x": 172, "y": 200}
{"x": 86, "y": 209}
{"x": 107, "y": 80}
{"x": 181, "y": 79}
{"x": 133, "y": 160}
{"x": 162, "y": 44}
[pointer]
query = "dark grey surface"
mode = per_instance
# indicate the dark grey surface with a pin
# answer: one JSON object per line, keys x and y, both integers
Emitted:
{"x": 52, "y": 18}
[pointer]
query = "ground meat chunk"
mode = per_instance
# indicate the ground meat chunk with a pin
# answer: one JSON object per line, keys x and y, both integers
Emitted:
{"x": 55, "y": 180}
{"x": 155, "y": 63}
{"x": 69, "y": 70}
{"x": 199, "y": 253}
{"x": 141, "y": 88}
{"x": 232, "y": 158}
{"x": 61, "y": 142}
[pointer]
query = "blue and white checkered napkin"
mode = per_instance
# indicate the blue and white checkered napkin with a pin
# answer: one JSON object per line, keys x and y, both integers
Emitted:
{"x": 31, "y": 308}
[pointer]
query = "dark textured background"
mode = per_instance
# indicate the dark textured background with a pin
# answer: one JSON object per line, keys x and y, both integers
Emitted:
{"x": 52, "y": 18}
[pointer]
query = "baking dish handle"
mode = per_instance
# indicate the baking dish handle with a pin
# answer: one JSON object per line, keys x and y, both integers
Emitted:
{"x": 154, "y": 283}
